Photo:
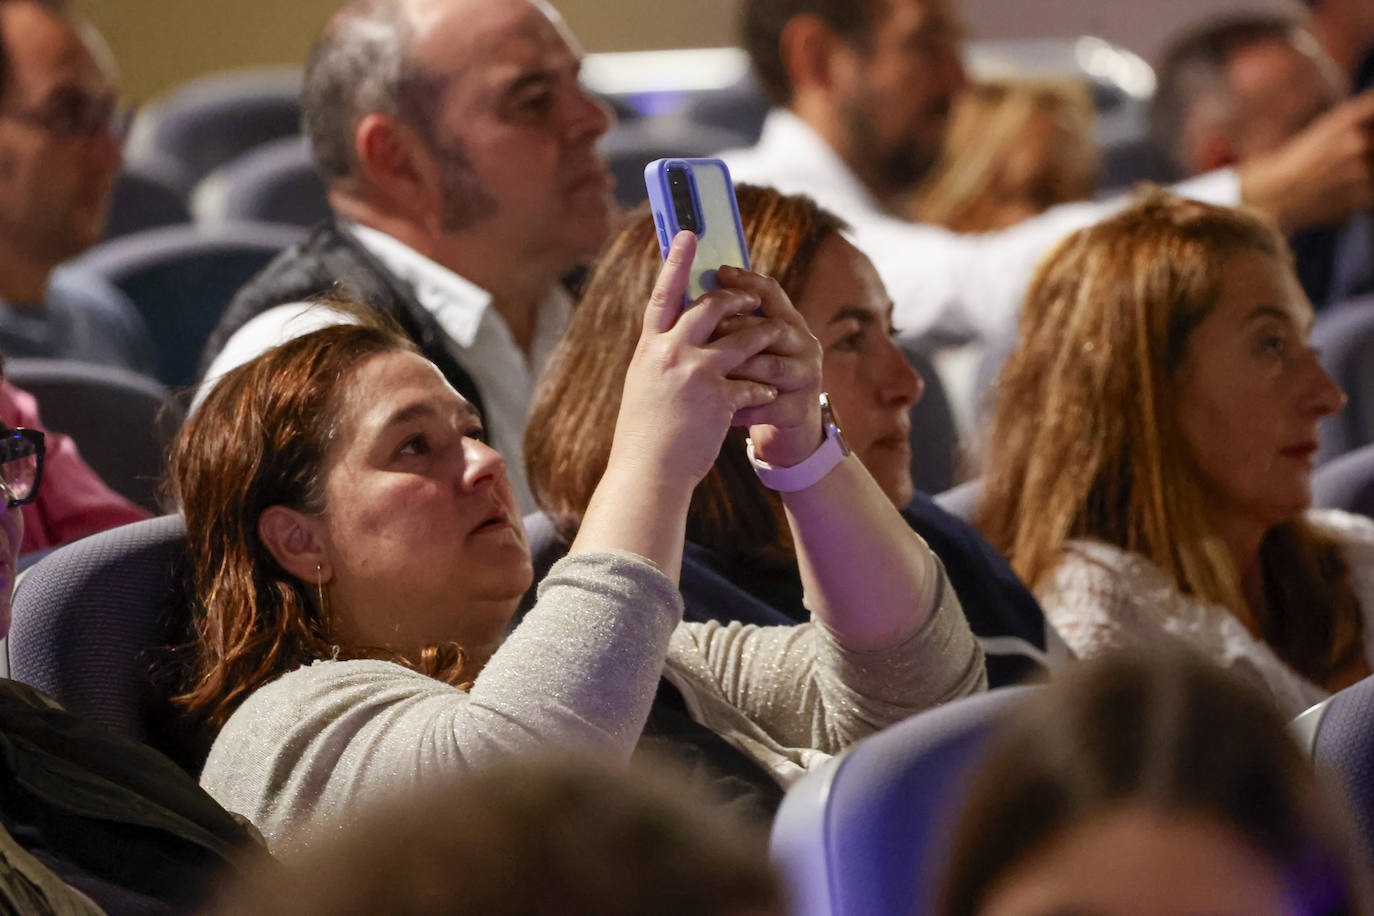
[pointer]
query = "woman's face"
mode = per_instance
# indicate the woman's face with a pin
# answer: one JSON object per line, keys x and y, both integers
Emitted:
{"x": 871, "y": 385}
{"x": 421, "y": 528}
{"x": 1250, "y": 392}
{"x": 1133, "y": 861}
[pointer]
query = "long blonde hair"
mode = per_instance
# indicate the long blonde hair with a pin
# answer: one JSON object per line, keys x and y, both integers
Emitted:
{"x": 1084, "y": 444}
{"x": 1014, "y": 149}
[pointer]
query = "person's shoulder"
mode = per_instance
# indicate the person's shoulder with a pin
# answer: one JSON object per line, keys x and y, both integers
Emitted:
{"x": 1102, "y": 571}
{"x": 331, "y": 687}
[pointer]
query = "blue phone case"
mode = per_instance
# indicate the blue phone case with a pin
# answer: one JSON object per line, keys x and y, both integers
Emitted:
{"x": 720, "y": 233}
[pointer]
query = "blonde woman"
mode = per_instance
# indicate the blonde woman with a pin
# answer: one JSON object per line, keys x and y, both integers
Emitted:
{"x": 1014, "y": 149}
{"x": 1151, "y": 453}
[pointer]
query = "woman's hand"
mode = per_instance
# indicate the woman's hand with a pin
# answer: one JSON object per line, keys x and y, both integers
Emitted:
{"x": 688, "y": 380}
{"x": 691, "y": 376}
{"x": 786, "y": 431}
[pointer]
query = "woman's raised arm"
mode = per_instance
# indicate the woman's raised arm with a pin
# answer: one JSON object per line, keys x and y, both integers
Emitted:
{"x": 681, "y": 393}
{"x": 868, "y": 577}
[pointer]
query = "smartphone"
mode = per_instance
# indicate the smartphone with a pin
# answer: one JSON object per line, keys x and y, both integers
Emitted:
{"x": 697, "y": 194}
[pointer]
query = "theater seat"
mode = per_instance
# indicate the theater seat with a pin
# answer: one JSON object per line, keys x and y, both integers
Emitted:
{"x": 181, "y": 278}
{"x": 272, "y": 183}
{"x": 210, "y": 120}
{"x": 121, "y": 421}
{"x": 1344, "y": 338}
{"x": 90, "y": 621}
{"x": 1346, "y": 482}
{"x": 1338, "y": 735}
{"x": 867, "y": 833}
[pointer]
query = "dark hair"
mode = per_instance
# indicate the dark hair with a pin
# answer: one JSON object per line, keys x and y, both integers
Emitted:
{"x": 1193, "y": 68}
{"x": 361, "y": 64}
{"x": 262, "y": 438}
{"x": 539, "y": 837}
{"x": 572, "y": 417}
{"x": 1081, "y": 443}
{"x": 762, "y": 23}
{"x": 1166, "y": 731}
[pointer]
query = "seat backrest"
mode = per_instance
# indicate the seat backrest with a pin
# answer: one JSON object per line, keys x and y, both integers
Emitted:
{"x": 208, "y": 121}
{"x": 145, "y": 198}
{"x": 1342, "y": 746}
{"x": 181, "y": 278}
{"x": 272, "y": 183}
{"x": 1346, "y": 482}
{"x": 934, "y": 433}
{"x": 868, "y": 833}
{"x": 121, "y": 420}
{"x": 1344, "y": 336}
{"x": 89, "y": 623}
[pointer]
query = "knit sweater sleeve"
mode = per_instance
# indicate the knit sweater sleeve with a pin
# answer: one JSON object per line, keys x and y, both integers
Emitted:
{"x": 798, "y": 688}
{"x": 577, "y": 676}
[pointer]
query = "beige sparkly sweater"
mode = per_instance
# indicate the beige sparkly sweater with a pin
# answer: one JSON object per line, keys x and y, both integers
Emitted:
{"x": 577, "y": 676}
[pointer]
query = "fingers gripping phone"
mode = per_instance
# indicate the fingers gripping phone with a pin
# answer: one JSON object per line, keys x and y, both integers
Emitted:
{"x": 697, "y": 194}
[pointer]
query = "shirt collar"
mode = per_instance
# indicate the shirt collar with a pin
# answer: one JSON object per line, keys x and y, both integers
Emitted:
{"x": 456, "y": 303}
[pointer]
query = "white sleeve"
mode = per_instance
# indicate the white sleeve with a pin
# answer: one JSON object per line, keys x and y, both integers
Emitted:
{"x": 972, "y": 285}
{"x": 272, "y": 328}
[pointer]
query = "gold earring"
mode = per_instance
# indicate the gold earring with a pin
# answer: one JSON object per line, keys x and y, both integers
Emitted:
{"x": 323, "y": 606}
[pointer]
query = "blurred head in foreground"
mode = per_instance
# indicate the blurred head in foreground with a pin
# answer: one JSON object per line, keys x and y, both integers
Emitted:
{"x": 533, "y": 838}
{"x": 1148, "y": 784}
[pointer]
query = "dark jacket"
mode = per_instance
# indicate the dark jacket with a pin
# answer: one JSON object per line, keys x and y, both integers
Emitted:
{"x": 331, "y": 260}
{"x": 108, "y": 815}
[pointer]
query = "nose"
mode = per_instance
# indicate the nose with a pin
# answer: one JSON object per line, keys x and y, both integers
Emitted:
{"x": 1325, "y": 397}
{"x": 482, "y": 464}
{"x": 900, "y": 384}
{"x": 588, "y": 117}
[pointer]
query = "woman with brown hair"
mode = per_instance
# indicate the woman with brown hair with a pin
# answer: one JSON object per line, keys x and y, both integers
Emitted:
{"x": 1151, "y": 453}
{"x": 740, "y": 562}
{"x": 1150, "y": 783}
{"x": 358, "y": 555}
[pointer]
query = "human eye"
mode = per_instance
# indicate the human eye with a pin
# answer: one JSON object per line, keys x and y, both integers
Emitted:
{"x": 417, "y": 444}
{"x": 476, "y": 431}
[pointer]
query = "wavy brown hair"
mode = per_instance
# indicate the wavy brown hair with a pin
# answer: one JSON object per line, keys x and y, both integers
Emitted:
{"x": 568, "y": 438}
{"x": 1084, "y": 443}
{"x": 262, "y": 438}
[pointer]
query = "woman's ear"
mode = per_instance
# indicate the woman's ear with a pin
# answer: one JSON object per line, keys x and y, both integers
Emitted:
{"x": 297, "y": 542}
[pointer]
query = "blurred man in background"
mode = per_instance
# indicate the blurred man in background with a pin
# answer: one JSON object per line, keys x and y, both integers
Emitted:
{"x": 862, "y": 93}
{"x": 459, "y": 151}
{"x": 59, "y": 154}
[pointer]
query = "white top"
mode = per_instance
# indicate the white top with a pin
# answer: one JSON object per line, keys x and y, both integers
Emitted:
{"x": 966, "y": 286}
{"x": 477, "y": 336}
{"x": 1102, "y": 598}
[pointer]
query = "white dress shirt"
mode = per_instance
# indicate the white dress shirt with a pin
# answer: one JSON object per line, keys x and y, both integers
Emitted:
{"x": 961, "y": 286}
{"x": 476, "y": 335}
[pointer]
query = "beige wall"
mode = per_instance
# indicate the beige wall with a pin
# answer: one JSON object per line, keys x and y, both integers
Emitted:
{"x": 162, "y": 42}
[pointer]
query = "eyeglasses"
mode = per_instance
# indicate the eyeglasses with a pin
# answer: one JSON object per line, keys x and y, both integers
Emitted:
{"x": 69, "y": 112}
{"x": 21, "y": 464}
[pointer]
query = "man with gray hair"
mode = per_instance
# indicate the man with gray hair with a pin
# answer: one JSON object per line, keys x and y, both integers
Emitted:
{"x": 458, "y": 150}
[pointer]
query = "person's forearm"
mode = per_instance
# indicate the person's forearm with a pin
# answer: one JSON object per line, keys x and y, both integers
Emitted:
{"x": 868, "y": 577}
{"x": 638, "y": 511}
